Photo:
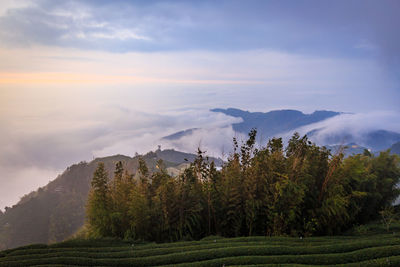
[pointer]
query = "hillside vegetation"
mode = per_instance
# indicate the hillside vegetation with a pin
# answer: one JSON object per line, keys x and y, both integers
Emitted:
{"x": 300, "y": 190}
{"x": 56, "y": 211}
{"x": 265, "y": 207}
{"x": 367, "y": 250}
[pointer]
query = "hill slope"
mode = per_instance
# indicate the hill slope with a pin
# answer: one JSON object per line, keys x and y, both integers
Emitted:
{"x": 56, "y": 211}
{"x": 178, "y": 135}
{"x": 395, "y": 148}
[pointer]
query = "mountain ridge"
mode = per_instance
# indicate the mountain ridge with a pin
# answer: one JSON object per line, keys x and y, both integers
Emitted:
{"x": 376, "y": 140}
{"x": 276, "y": 121}
{"x": 280, "y": 122}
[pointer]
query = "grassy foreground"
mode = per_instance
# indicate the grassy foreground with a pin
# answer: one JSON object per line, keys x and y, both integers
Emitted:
{"x": 365, "y": 250}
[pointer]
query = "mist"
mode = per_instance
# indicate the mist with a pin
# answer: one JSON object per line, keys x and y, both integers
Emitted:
{"x": 354, "y": 126}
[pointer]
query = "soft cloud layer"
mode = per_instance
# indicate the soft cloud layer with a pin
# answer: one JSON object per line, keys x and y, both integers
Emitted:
{"x": 338, "y": 27}
{"x": 18, "y": 182}
{"x": 34, "y": 152}
{"x": 354, "y": 126}
{"x": 216, "y": 141}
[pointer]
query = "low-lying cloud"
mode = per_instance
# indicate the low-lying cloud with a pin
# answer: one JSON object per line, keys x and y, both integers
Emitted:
{"x": 215, "y": 141}
{"x": 350, "y": 127}
{"x": 31, "y": 158}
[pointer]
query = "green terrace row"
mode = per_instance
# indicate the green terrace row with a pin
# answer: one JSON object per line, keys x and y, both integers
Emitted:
{"x": 217, "y": 257}
{"x": 243, "y": 262}
{"x": 118, "y": 245}
{"x": 140, "y": 249}
{"x": 256, "y": 247}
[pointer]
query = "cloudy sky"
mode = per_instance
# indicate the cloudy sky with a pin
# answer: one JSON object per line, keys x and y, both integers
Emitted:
{"x": 81, "y": 79}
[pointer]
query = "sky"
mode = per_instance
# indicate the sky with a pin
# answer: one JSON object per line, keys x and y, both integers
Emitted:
{"x": 83, "y": 79}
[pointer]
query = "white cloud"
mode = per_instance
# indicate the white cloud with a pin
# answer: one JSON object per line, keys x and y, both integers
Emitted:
{"x": 6, "y": 5}
{"x": 121, "y": 34}
{"x": 35, "y": 149}
{"x": 134, "y": 134}
{"x": 16, "y": 182}
{"x": 216, "y": 141}
{"x": 354, "y": 126}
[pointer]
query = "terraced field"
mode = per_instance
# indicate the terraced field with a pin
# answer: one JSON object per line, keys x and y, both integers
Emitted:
{"x": 372, "y": 250}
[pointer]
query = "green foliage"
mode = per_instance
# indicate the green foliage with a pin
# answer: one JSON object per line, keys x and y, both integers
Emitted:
{"x": 57, "y": 211}
{"x": 388, "y": 217}
{"x": 300, "y": 190}
{"x": 99, "y": 209}
{"x": 373, "y": 250}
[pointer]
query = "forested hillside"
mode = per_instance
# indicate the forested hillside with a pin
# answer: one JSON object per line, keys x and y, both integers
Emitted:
{"x": 300, "y": 190}
{"x": 56, "y": 211}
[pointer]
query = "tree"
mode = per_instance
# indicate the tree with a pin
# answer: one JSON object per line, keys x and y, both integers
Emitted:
{"x": 99, "y": 204}
{"x": 298, "y": 190}
{"x": 386, "y": 168}
{"x": 231, "y": 198}
{"x": 189, "y": 205}
{"x": 139, "y": 211}
{"x": 120, "y": 193}
{"x": 388, "y": 216}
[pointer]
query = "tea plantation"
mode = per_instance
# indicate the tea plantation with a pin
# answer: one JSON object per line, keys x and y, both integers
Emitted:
{"x": 356, "y": 250}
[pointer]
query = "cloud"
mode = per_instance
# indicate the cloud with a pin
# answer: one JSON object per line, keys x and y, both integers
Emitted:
{"x": 120, "y": 26}
{"x": 350, "y": 126}
{"x": 257, "y": 79}
{"x": 360, "y": 30}
{"x": 15, "y": 183}
{"x": 216, "y": 141}
{"x": 144, "y": 138}
{"x": 71, "y": 24}
{"x": 31, "y": 158}
{"x": 6, "y": 5}
{"x": 109, "y": 133}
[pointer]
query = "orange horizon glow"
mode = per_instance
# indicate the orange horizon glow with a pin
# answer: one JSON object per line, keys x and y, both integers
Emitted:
{"x": 45, "y": 78}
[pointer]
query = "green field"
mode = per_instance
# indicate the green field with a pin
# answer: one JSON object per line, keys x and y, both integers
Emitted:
{"x": 365, "y": 250}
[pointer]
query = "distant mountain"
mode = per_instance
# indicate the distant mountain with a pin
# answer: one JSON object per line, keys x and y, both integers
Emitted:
{"x": 277, "y": 122}
{"x": 178, "y": 157}
{"x": 375, "y": 140}
{"x": 349, "y": 149}
{"x": 269, "y": 124}
{"x": 56, "y": 211}
{"x": 178, "y": 135}
{"x": 395, "y": 148}
{"x": 381, "y": 139}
